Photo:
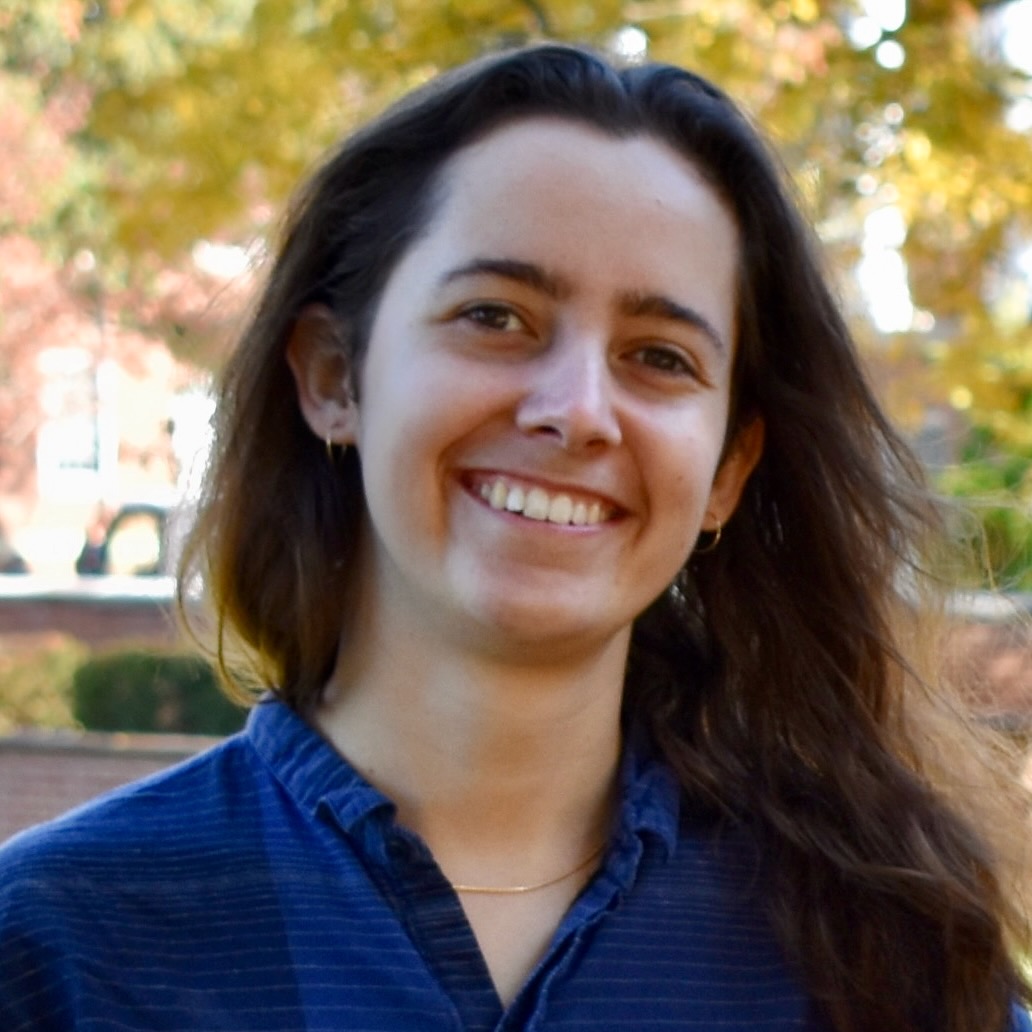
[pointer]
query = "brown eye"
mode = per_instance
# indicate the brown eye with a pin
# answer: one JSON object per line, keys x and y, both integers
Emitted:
{"x": 665, "y": 359}
{"x": 494, "y": 317}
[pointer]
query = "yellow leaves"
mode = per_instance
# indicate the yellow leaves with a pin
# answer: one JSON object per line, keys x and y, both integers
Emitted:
{"x": 806, "y": 11}
{"x": 142, "y": 16}
{"x": 961, "y": 398}
{"x": 986, "y": 207}
{"x": 987, "y": 376}
{"x": 917, "y": 148}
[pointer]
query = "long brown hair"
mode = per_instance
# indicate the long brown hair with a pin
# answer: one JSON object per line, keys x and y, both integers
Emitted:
{"x": 777, "y": 674}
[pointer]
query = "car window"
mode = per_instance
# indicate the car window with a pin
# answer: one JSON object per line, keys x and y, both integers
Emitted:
{"x": 134, "y": 544}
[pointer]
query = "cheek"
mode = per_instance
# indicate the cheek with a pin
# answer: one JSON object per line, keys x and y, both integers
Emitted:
{"x": 403, "y": 447}
{"x": 690, "y": 494}
{"x": 683, "y": 452}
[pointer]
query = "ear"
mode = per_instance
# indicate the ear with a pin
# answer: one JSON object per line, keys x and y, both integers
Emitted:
{"x": 320, "y": 363}
{"x": 739, "y": 461}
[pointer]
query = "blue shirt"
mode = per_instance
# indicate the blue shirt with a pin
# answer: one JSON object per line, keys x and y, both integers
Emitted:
{"x": 265, "y": 886}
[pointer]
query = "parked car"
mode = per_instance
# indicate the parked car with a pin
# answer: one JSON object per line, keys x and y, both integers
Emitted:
{"x": 11, "y": 560}
{"x": 142, "y": 539}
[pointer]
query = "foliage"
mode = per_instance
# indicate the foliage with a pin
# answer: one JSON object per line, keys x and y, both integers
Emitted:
{"x": 35, "y": 683}
{"x": 151, "y": 691}
{"x": 997, "y": 487}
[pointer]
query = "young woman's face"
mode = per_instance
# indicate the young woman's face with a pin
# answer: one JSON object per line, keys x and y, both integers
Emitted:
{"x": 544, "y": 398}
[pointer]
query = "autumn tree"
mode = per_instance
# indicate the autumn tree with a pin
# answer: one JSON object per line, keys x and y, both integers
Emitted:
{"x": 36, "y": 180}
{"x": 58, "y": 295}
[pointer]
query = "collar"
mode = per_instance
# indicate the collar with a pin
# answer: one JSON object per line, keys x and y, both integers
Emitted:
{"x": 309, "y": 768}
{"x": 321, "y": 781}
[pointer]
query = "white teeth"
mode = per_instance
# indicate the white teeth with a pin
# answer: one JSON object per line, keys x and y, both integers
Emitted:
{"x": 537, "y": 504}
{"x": 561, "y": 509}
{"x": 516, "y": 500}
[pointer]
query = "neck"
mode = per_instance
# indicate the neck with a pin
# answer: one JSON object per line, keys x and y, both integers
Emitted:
{"x": 486, "y": 759}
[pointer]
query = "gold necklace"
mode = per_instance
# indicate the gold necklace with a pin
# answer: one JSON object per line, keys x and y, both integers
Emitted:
{"x": 515, "y": 890}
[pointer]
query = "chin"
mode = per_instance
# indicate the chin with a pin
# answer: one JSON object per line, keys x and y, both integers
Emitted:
{"x": 542, "y": 629}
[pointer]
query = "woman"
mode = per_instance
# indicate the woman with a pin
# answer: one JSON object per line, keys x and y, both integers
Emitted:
{"x": 550, "y": 500}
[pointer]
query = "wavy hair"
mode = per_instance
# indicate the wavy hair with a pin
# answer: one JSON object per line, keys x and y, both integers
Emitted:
{"x": 777, "y": 673}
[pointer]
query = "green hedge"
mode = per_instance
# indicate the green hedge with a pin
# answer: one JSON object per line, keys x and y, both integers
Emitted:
{"x": 36, "y": 681}
{"x": 152, "y": 691}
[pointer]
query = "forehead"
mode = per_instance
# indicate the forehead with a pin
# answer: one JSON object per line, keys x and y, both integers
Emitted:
{"x": 542, "y": 173}
{"x": 539, "y": 152}
{"x": 584, "y": 201}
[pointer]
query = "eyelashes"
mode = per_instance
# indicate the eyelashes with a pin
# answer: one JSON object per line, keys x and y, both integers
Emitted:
{"x": 494, "y": 315}
{"x": 666, "y": 359}
{"x": 508, "y": 331}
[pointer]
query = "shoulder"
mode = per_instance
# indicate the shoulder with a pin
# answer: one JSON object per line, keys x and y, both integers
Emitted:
{"x": 132, "y": 828}
{"x": 117, "y": 903}
{"x": 201, "y": 821}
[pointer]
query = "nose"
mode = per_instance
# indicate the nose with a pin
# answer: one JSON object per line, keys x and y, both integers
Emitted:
{"x": 571, "y": 397}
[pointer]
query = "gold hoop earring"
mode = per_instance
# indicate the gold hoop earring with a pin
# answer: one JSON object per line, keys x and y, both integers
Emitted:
{"x": 329, "y": 449}
{"x": 712, "y": 545}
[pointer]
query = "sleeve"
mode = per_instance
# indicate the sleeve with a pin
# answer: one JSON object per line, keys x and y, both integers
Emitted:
{"x": 36, "y": 984}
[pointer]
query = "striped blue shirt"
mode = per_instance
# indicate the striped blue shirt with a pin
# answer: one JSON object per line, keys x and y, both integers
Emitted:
{"x": 264, "y": 885}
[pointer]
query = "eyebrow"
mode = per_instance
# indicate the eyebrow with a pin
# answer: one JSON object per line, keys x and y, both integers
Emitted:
{"x": 632, "y": 303}
{"x": 510, "y": 268}
{"x": 636, "y": 304}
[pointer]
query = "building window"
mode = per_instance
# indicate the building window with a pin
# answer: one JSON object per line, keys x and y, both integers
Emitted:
{"x": 72, "y": 442}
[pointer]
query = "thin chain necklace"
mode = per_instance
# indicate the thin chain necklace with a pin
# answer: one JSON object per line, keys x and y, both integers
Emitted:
{"x": 515, "y": 890}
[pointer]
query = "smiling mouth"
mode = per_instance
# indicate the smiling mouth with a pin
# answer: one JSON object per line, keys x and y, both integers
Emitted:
{"x": 535, "y": 503}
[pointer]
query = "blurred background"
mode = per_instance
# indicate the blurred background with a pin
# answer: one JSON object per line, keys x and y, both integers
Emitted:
{"x": 148, "y": 147}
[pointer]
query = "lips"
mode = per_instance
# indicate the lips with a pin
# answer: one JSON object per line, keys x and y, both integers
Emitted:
{"x": 533, "y": 502}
